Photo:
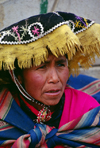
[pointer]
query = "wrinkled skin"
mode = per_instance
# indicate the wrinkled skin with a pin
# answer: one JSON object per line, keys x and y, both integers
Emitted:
{"x": 47, "y": 81}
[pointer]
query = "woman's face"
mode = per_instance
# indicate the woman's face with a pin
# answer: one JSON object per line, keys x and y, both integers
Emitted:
{"x": 47, "y": 81}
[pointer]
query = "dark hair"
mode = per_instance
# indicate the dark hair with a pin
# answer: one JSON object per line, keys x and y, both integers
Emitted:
{"x": 5, "y": 78}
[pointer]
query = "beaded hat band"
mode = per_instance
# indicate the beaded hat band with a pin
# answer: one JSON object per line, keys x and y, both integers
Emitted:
{"x": 62, "y": 33}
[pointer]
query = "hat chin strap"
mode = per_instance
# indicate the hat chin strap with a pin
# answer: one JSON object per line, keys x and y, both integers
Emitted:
{"x": 22, "y": 90}
{"x": 45, "y": 113}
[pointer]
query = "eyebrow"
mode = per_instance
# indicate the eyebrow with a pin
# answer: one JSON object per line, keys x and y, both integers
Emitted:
{"x": 57, "y": 61}
{"x": 61, "y": 61}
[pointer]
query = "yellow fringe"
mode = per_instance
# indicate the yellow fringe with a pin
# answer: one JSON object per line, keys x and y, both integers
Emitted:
{"x": 81, "y": 49}
{"x": 60, "y": 42}
{"x": 90, "y": 39}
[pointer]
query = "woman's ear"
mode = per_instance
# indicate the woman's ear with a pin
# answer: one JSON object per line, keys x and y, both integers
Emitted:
{"x": 19, "y": 79}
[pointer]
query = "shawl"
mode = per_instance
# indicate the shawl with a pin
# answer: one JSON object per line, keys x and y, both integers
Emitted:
{"x": 18, "y": 130}
{"x": 87, "y": 84}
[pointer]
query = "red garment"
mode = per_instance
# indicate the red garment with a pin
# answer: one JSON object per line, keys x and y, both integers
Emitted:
{"x": 76, "y": 104}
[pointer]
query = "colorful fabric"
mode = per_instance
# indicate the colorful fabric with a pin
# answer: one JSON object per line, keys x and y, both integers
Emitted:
{"x": 76, "y": 104}
{"x": 33, "y": 113}
{"x": 18, "y": 130}
{"x": 87, "y": 84}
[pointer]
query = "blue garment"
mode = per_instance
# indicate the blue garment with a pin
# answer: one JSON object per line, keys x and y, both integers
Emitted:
{"x": 83, "y": 81}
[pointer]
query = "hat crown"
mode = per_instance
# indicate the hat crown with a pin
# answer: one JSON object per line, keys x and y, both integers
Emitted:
{"x": 35, "y": 27}
{"x": 30, "y": 29}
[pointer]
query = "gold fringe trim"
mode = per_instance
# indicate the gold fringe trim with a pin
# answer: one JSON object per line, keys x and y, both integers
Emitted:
{"x": 81, "y": 49}
{"x": 60, "y": 42}
{"x": 85, "y": 61}
{"x": 90, "y": 40}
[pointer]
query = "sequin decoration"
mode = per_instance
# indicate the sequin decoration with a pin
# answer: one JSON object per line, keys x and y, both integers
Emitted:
{"x": 43, "y": 115}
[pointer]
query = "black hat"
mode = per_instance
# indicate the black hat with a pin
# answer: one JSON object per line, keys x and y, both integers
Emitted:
{"x": 60, "y": 32}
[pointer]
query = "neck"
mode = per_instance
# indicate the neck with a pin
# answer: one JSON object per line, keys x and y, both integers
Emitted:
{"x": 39, "y": 106}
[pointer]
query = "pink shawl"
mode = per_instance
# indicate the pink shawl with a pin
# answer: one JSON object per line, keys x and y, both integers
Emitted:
{"x": 76, "y": 104}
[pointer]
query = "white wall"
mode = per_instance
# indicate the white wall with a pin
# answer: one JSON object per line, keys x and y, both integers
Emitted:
{"x": 86, "y": 8}
{"x": 12, "y": 11}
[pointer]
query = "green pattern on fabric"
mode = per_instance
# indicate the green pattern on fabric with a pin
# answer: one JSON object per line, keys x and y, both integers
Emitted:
{"x": 43, "y": 6}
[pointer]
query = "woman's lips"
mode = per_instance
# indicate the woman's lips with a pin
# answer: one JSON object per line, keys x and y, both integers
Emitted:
{"x": 53, "y": 92}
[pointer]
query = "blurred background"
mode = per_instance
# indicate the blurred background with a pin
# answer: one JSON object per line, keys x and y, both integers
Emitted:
{"x": 12, "y": 11}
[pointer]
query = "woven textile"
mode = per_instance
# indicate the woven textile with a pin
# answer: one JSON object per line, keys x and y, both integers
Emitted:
{"x": 87, "y": 84}
{"x": 21, "y": 131}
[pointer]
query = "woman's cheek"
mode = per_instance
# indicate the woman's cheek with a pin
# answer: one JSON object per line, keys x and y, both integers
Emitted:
{"x": 65, "y": 75}
{"x": 34, "y": 80}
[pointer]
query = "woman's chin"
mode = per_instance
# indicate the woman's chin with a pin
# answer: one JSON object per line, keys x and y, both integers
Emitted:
{"x": 52, "y": 102}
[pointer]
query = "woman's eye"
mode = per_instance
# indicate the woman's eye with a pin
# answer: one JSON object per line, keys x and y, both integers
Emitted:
{"x": 41, "y": 67}
{"x": 61, "y": 64}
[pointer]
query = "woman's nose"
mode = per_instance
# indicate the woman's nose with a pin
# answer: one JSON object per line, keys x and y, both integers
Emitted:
{"x": 53, "y": 76}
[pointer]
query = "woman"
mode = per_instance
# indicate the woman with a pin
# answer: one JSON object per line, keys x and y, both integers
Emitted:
{"x": 37, "y": 56}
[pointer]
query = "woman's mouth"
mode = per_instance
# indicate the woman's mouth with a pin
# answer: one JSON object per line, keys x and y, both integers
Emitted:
{"x": 53, "y": 92}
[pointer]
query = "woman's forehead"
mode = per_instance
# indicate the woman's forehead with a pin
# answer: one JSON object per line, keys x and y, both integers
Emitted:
{"x": 51, "y": 56}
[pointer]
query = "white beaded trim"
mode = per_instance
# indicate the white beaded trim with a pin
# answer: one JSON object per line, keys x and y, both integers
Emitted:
{"x": 92, "y": 22}
{"x": 33, "y": 39}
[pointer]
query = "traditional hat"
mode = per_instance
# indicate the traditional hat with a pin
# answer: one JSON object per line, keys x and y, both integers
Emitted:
{"x": 62, "y": 33}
